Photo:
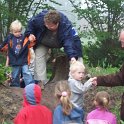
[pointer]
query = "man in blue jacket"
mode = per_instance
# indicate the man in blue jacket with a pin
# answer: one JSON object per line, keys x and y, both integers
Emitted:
{"x": 52, "y": 29}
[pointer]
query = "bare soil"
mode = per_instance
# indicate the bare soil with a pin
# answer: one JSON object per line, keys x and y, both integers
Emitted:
{"x": 11, "y": 100}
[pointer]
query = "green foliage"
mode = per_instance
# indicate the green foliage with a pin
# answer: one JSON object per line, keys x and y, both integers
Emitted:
{"x": 105, "y": 19}
{"x": 2, "y": 74}
{"x": 21, "y": 10}
{"x": 96, "y": 55}
{"x": 3, "y": 71}
{"x": 2, "y": 58}
{"x": 122, "y": 122}
{"x": 95, "y": 71}
{"x": 2, "y": 68}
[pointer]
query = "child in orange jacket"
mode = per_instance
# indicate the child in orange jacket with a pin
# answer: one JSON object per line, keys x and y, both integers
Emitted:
{"x": 18, "y": 54}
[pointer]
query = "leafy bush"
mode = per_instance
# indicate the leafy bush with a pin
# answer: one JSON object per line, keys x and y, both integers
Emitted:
{"x": 3, "y": 71}
{"x": 2, "y": 74}
{"x": 96, "y": 54}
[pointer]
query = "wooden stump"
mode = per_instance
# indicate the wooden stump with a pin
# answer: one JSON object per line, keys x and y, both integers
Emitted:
{"x": 60, "y": 69}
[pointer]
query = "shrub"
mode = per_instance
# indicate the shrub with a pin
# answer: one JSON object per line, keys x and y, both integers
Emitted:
{"x": 3, "y": 71}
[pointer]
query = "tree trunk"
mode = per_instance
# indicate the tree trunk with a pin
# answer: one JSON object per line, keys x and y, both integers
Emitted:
{"x": 122, "y": 108}
{"x": 60, "y": 69}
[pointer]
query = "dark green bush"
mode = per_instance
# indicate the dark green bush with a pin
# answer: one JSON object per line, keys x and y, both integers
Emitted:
{"x": 2, "y": 58}
{"x": 2, "y": 73}
{"x": 98, "y": 55}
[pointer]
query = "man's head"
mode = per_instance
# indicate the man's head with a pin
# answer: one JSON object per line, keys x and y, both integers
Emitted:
{"x": 121, "y": 38}
{"x": 51, "y": 20}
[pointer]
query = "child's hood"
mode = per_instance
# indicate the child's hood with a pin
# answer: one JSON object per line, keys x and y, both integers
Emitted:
{"x": 32, "y": 95}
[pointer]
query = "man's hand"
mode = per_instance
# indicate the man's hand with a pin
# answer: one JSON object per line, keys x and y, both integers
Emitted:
{"x": 93, "y": 80}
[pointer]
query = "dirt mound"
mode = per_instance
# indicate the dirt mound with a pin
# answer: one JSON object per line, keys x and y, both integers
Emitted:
{"x": 11, "y": 100}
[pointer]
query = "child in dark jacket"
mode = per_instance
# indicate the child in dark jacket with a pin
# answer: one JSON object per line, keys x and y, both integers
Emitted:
{"x": 33, "y": 112}
{"x": 65, "y": 113}
{"x": 18, "y": 51}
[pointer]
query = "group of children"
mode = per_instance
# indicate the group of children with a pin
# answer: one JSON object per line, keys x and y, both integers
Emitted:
{"x": 69, "y": 93}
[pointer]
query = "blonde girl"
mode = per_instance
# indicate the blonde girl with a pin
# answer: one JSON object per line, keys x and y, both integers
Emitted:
{"x": 64, "y": 113}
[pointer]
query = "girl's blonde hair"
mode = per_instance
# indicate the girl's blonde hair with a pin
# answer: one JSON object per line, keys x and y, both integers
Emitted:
{"x": 15, "y": 25}
{"x": 102, "y": 99}
{"x": 62, "y": 92}
{"x": 76, "y": 65}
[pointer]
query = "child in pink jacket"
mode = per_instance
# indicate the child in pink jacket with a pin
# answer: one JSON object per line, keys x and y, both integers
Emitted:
{"x": 101, "y": 115}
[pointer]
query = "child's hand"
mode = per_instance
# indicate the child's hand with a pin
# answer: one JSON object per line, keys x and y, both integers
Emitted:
{"x": 73, "y": 60}
{"x": 32, "y": 38}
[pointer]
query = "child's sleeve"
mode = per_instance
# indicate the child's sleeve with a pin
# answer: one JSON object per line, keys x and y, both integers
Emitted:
{"x": 78, "y": 87}
{"x": 87, "y": 85}
{"x": 4, "y": 45}
{"x": 50, "y": 118}
{"x": 114, "y": 120}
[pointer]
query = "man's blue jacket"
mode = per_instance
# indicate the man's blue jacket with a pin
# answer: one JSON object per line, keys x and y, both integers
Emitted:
{"x": 67, "y": 36}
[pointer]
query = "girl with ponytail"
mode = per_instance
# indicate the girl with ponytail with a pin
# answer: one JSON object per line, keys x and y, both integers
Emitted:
{"x": 101, "y": 115}
{"x": 65, "y": 113}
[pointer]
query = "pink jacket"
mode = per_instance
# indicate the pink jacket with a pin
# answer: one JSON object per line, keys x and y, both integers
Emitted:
{"x": 99, "y": 116}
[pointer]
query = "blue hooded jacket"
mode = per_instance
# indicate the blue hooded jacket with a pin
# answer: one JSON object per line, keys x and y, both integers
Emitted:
{"x": 75, "y": 116}
{"x": 67, "y": 36}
